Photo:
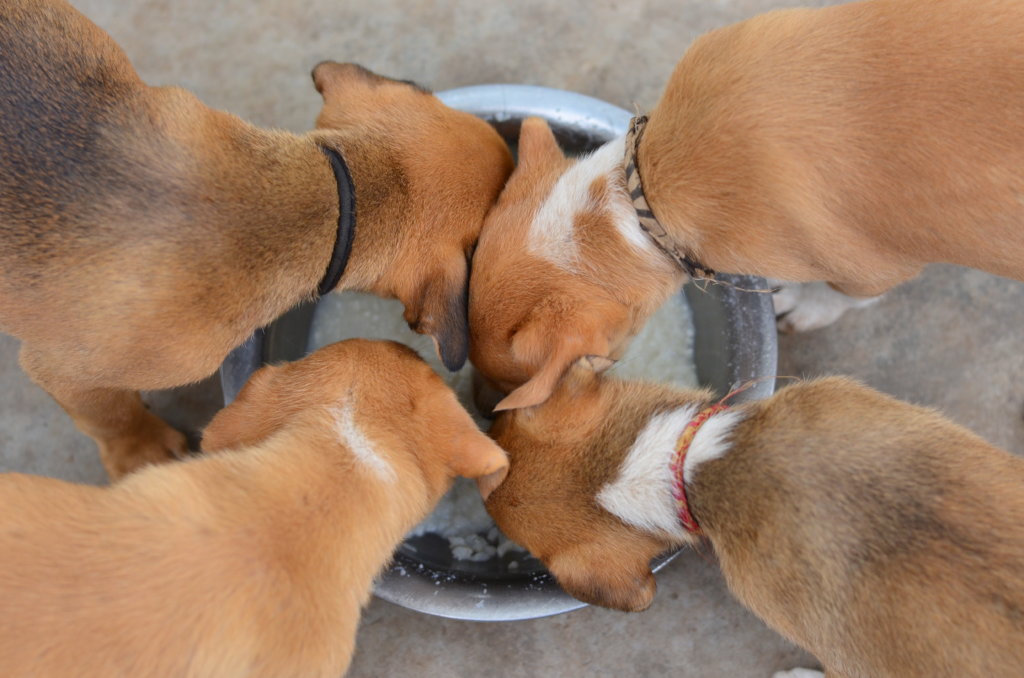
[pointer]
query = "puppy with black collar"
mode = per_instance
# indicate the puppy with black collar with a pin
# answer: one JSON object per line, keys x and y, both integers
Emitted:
{"x": 144, "y": 235}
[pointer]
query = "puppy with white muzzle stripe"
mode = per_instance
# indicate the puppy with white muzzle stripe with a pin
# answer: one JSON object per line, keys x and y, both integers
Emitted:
{"x": 878, "y": 535}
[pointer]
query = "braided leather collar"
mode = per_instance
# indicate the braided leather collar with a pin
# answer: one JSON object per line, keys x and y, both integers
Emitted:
{"x": 648, "y": 222}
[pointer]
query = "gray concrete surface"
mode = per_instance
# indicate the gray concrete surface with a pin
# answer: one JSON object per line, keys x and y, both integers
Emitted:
{"x": 950, "y": 339}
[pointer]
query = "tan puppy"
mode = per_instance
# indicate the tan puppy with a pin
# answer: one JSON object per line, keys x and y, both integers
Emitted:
{"x": 144, "y": 235}
{"x": 876, "y": 534}
{"x": 252, "y": 562}
{"x": 851, "y": 144}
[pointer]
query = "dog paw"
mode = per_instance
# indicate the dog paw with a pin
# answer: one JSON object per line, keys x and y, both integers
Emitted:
{"x": 800, "y": 307}
{"x": 798, "y": 673}
{"x": 154, "y": 443}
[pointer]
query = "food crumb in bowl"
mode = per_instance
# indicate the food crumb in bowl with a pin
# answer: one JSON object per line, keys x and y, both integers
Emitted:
{"x": 662, "y": 351}
{"x": 462, "y": 518}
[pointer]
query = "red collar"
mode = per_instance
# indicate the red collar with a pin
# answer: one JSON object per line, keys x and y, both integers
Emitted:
{"x": 679, "y": 461}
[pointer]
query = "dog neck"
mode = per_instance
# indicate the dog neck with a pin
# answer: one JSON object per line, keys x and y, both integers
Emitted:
{"x": 588, "y": 227}
{"x": 320, "y": 477}
{"x": 346, "y": 222}
{"x": 552, "y": 234}
{"x": 595, "y": 184}
{"x": 643, "y": 492}
{"x": 680, "y": 255}
{"x": 384, "y": 203}
{"x": 291, "y": 196}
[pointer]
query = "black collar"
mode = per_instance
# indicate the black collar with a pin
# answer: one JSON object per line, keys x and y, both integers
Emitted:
{"x": 346, "y": 222}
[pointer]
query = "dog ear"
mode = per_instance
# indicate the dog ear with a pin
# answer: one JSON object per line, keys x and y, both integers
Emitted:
{"x": 586, "y": 370}
{"x": 441, "y": 309}
{"x": 477, "y": 456}
{"x": 490, "y": 482}
{"x": 598, "y": 573}
{"x": 330, "y": 76}
{"x": 537, "y": 143}
{"x": 254, "y": 415}
{"x": 538, "y": 389}
{"x": 529, "y": 342}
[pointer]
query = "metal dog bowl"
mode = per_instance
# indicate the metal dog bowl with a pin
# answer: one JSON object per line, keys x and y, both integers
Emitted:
{"x": 735, "y": 340}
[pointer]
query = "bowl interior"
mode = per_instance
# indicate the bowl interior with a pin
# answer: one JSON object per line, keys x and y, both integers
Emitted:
{"x": 734, "y": 341}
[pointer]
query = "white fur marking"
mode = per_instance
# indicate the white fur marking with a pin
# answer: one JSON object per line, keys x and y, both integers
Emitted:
{"x": 798, "y": 673}
{"x": 710, "y": 441}
{"x": 641, "y": 494}
{"x": 552, "y": 234}
{"x": 801, "y": 307}
{"x": 362, "y": 447}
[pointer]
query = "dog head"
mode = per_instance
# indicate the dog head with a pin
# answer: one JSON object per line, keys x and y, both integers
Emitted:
{"x": 383, "y": 389}
{"x": 425, "y": 177}
{"x": 562, "y": 454}
{"x": 562, "y": 269}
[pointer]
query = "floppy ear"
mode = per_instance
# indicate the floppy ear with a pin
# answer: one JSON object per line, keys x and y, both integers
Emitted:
{"x": 529, "y": 342}
{"x": 539, "y": 388}
{"x": 619, "y": 579}
{"x": 490, "y": 482}
{"x": 441, "y": 310}
{"x": 477, "y": 456}
{"x": 255, "y": 415}
{"x": 537, "y": 143}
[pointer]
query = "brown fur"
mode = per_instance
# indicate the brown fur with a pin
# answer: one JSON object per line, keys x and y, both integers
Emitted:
{"x": 851, "y": 144}
{"x": 251, "y": 562}
{"x": 144, "y": 235}
{"x": 529, "y": 320}
{"x": 878, "y": 535}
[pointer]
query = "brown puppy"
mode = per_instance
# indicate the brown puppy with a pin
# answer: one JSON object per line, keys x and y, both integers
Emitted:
{"x": 878, "y": 535}
{"x": 851, "y": 144}
{"x": 144, "y": 235}
{"x": 252, "y": 562}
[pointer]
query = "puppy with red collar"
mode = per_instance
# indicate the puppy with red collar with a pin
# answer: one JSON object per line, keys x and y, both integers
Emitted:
{"x": 878, "y": 535}
{"x": 144, "y": 235}
{"x": 851, "y": 144}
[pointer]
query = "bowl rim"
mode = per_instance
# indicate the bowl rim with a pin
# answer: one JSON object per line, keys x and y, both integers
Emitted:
{"x": 419, "y": 587}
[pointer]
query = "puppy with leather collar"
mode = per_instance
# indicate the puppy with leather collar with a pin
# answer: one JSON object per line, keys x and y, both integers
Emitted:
{"x": 254, "y": 561}
{"x": 144, "y": 235}
{"x": 878, "y": 535}
{"x": 851, "y": 144}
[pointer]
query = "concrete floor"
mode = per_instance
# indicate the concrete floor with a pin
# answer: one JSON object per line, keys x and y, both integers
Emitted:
{"x": 950, "y": 339}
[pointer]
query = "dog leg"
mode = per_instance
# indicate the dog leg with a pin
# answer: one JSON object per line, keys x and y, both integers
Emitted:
{"x": 800, "y": 307}
{"x": 798, "y": 673}
{"x": 128, "y": 435}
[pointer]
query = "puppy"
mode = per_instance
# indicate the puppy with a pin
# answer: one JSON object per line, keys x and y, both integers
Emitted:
{"x": 144, "y": 235}
{"x": 251, "y": 562}
{"x": 878, "y": 535}
{"x": 851, "y": 144}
